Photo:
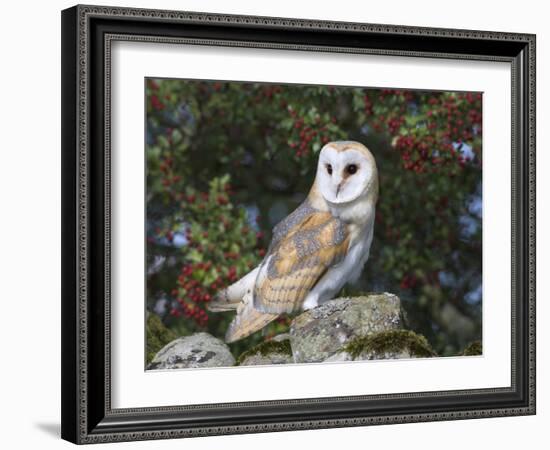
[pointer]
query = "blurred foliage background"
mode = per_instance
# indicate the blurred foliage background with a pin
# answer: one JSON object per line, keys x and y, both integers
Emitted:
{"x": 226, "y": 161}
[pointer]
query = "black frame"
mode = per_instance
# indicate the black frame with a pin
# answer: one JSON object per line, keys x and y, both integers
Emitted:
{"x": 87, "y": 31}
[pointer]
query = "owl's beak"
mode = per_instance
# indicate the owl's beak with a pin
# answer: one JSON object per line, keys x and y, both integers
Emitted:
{"x": 338, "y": 188}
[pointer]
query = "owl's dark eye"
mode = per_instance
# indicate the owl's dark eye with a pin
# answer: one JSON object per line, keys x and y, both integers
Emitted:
{"x": 351, "y": 169}
{"x": 329, "y": 169}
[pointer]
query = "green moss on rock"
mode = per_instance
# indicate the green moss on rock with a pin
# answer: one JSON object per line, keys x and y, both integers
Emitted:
{"x": 266, "y": 348}
{"x": 391, "y": 341}
{"x": 473, "y": 349}
{"x": 158, "y": 335}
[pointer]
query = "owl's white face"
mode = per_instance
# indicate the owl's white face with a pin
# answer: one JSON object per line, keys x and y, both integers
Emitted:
{"x": 344, "y": 175}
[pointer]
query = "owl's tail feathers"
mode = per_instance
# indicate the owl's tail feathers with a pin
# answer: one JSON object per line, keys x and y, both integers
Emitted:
{"x": 222, "y": 302}
{"x": 239, "y": 296}
{"x": 247, "y": 321}
{"x": 230, "y": 297}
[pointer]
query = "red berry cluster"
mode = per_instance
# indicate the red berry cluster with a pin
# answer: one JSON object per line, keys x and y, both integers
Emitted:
{"x": 305, "y": 133}
{"x": 405, "y": 95}
{"x": 408, "y": 282}
{"x": 168, "y": 177}
{"x": 156, "y": 103}
{"x": 154, "y": 100}
{"x": 414, "y": 153}
{"x": 266, "y": 93}
{"x": 450, "y": 120}
{"x": 394, "y": 123}
{"x": 191, "y": 294}
{"x": 368, "y": 105}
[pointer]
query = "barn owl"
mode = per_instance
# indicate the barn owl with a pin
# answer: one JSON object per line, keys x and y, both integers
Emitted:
{"x": 315, "y": 250}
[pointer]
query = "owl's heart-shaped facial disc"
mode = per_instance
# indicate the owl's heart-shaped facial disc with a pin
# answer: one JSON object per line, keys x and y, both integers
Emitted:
{"x": 345, "y": 171}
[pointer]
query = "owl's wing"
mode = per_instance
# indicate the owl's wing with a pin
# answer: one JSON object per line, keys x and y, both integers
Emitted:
{"x": 297, "y": 260}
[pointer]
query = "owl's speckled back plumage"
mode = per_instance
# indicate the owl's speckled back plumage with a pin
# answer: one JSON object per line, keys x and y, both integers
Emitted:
{"x": 297, "y": 260}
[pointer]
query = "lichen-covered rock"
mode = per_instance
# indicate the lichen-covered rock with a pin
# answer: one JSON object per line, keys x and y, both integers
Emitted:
{"x": 281, "y": 337}
{"x": 195, "y": 351}
{"x": 319, "y": 333}
{"x": 392, "y": 344}
{"x": 267, "y": 353}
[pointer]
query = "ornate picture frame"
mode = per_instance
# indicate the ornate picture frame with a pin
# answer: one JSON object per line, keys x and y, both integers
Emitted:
{"x": 88, "y": 33}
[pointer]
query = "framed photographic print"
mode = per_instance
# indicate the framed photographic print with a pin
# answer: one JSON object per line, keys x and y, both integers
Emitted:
{"x": 281, "y": 224}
